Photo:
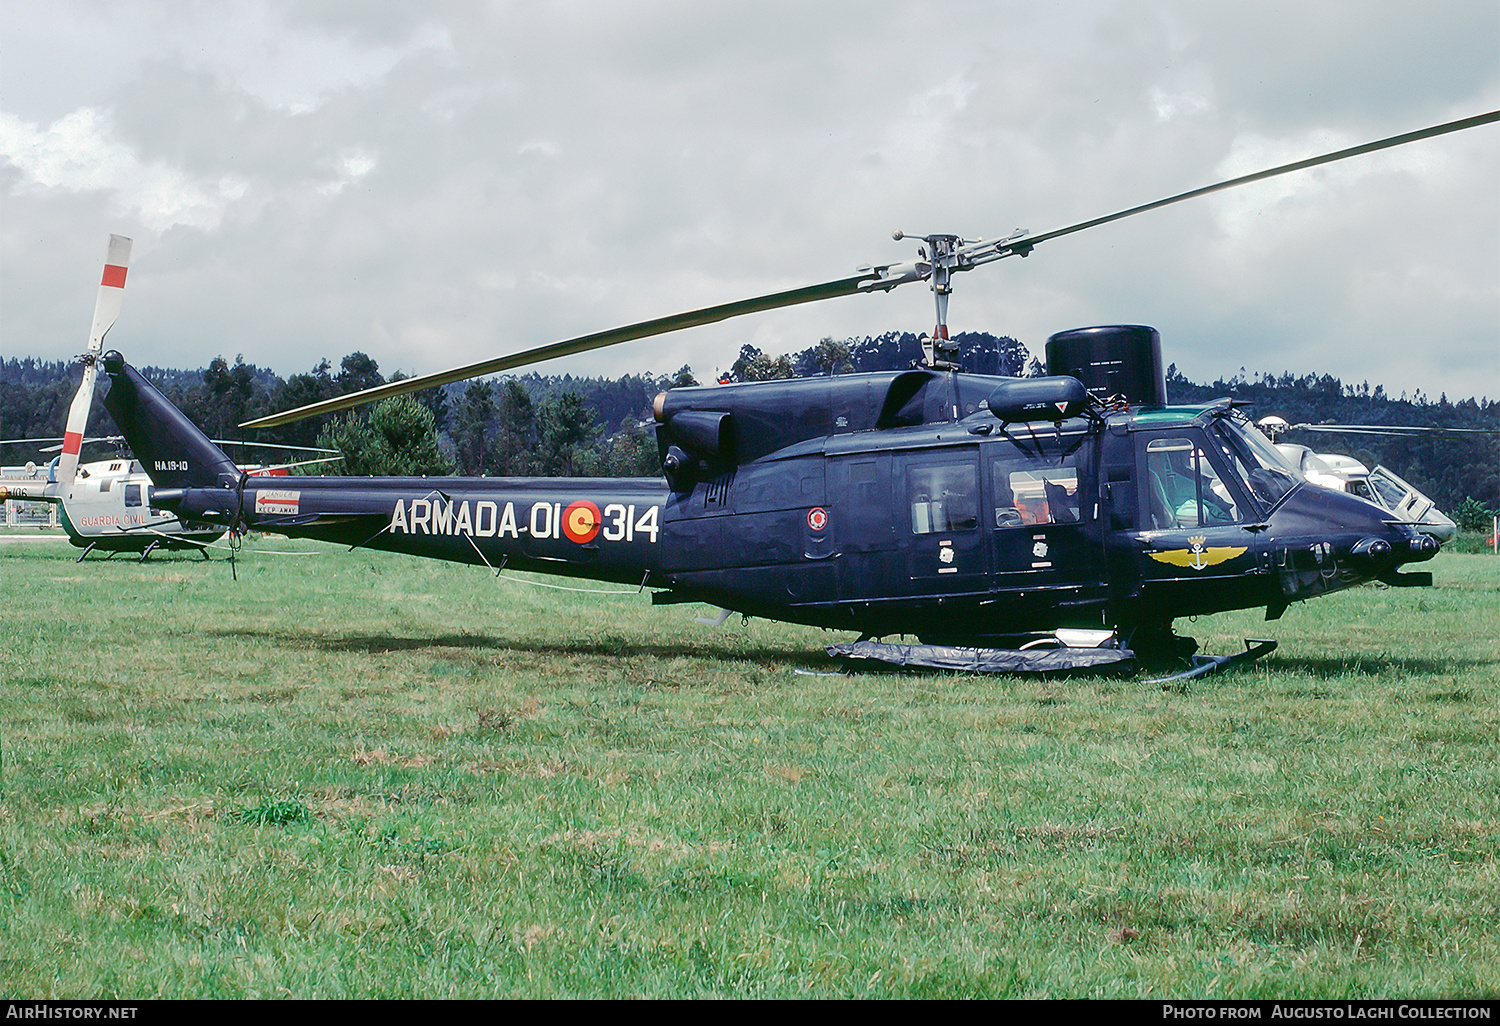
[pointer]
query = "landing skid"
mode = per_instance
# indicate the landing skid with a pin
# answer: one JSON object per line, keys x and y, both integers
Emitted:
{"x": 1204, "y": 665}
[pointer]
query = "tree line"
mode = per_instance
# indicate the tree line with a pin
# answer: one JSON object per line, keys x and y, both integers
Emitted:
{"x": 561, "y": 426}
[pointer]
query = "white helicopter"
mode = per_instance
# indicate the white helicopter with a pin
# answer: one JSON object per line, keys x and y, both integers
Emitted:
{"x": 1381, "y": 485}
{"x": 108, "y": 508}
{"x": 106, "y": 504}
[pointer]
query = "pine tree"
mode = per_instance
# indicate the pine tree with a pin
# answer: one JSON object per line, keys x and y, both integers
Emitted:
{"x": 566, "y": 432}
{"x": 471, "y": 430}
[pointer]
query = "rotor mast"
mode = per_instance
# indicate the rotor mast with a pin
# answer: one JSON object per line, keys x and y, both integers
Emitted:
{"x": 939, "y": 257}
{"x": 942, "y": 249}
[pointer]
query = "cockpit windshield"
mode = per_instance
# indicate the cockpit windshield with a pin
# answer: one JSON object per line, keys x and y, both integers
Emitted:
{"x": 1263, "y": 468}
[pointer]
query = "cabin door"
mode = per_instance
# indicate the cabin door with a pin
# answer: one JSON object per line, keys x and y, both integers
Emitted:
{"x": 1044, "y": 514}
{"x": 939, "y": 516}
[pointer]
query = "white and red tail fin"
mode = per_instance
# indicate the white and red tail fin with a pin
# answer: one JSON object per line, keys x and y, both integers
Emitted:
{"x": 106, "y": 310}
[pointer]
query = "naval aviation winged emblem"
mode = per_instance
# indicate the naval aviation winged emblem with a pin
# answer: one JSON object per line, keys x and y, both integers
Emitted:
{"x": 1200, "y": 556}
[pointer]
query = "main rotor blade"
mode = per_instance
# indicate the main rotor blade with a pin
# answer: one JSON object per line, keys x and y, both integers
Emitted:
{"x": 55, "y": 448}
{"x": 882, "y": 278}
{"x": 111, "y": 439}
{"x": 221, "y": 442}
{"x": 1378, "y": 429}
{"x": 259, "y": 471}
{"x": 581, "y": 344}
{"x": 248, "y": 444}
{"x": 1028, "y": 241}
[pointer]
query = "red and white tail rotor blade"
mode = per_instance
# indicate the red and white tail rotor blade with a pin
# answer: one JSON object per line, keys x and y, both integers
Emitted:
{"x": 106, "y": 310}
{"x": 111, "y": 291}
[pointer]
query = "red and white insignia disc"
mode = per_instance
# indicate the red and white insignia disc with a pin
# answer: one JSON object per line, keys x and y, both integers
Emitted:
{"x": 580, "y": 521}
{"x": 817, "y": 518}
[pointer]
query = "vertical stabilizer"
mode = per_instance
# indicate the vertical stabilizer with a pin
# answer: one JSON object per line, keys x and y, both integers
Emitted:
{"x": 169, "y": 446}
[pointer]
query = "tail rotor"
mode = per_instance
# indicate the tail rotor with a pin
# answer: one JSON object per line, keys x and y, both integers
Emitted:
{"x": 106, "y": 311}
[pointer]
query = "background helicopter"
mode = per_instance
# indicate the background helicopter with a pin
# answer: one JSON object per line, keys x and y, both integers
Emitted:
{"x": 62, "y": 478}
{"x": 109, "y": 508}
{"x": 106, "y": 504}
{"x": 966, "y": 509}
{"x": 1380, "y": 485}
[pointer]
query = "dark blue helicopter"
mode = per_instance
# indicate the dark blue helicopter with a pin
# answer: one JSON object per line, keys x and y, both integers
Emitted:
{"x": 984, "y": 515}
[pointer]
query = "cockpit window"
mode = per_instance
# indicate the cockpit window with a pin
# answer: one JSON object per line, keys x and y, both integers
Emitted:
{"x": 1391, "y": 493}
{"x": 1185, "y": 489}
{"x": 1263, "y": 468}
{"x": 1312, "y": 465}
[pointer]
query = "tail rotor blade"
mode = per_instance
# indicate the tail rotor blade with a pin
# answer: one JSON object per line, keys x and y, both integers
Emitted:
{"x": 78, "y": 415}
{"x": 106, "y": 310}
{"x": 111, "y": 291}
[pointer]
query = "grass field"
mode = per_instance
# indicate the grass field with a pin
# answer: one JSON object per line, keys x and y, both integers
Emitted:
{"x": 365, "y": 775}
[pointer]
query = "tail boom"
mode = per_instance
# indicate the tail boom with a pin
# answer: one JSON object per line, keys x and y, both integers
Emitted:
{"x": 599, "y": 528}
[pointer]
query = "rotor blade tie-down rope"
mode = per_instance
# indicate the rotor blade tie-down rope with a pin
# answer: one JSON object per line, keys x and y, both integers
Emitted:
{"x": 542, "y": 584}
{"x": 387, "y": 527}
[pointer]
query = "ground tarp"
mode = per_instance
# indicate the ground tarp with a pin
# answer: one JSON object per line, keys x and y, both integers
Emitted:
{"x": 989, "y": 660}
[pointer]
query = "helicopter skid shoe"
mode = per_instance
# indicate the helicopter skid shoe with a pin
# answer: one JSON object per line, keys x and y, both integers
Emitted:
{"x": 988, "y": 660}
{"x": 1204, "y": 665}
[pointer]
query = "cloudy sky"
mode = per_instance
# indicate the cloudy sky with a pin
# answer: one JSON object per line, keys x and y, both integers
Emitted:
{"x": 442, "y": 182}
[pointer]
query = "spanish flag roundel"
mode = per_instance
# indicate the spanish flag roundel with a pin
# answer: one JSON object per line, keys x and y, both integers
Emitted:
{"x": 580, "y": 521}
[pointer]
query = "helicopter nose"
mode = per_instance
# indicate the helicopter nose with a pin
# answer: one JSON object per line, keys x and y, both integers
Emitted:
{"x": 1380, "y": 554}
{"x": 1407, "y": 545}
